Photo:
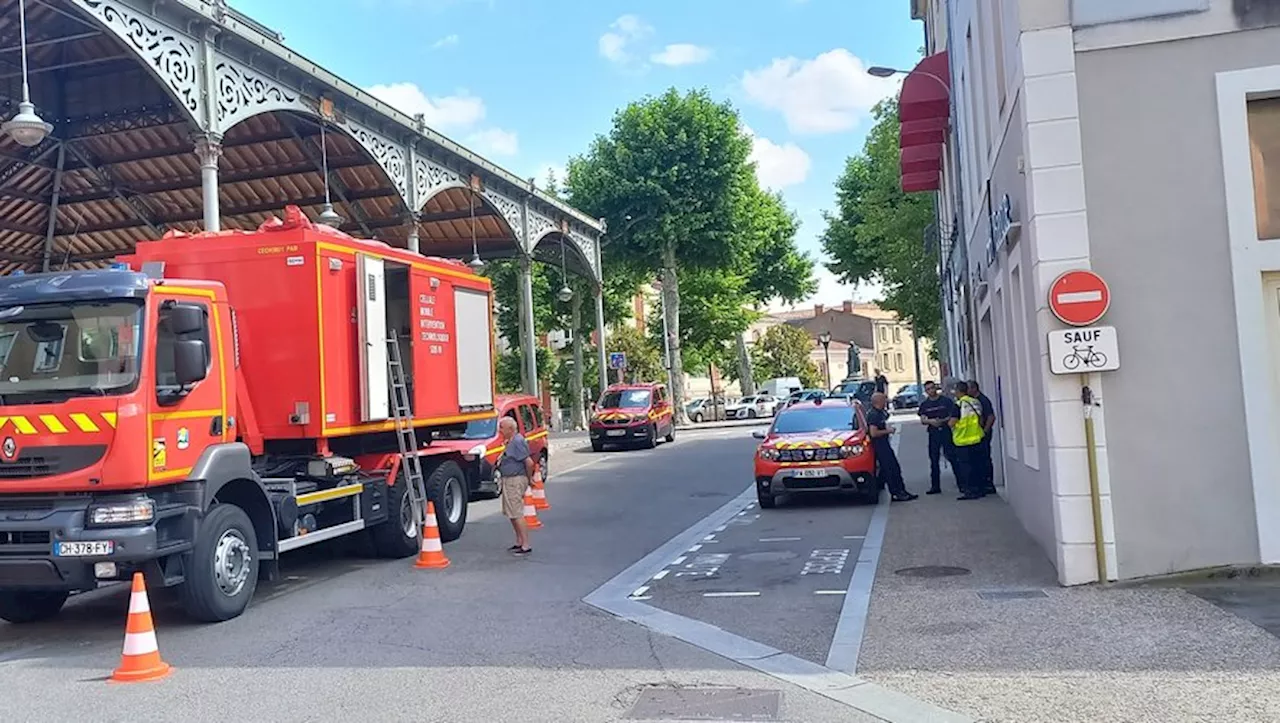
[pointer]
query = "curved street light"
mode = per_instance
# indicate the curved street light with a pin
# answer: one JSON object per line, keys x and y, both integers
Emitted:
{"x": 26, "y": 128}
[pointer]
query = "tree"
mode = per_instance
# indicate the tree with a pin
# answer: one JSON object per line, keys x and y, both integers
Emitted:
{"x": 783, "y": 351}
{"x": 644, "y": 360}
{"x": 877, "y": 232}
{"x": 666, "y": 179}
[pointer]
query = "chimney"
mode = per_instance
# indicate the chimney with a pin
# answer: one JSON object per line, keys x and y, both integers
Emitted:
{"x": 818, "y": 309}
{"x": 848, "y": 307}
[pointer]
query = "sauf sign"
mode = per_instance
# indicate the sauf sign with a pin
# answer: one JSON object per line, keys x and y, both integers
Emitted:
{"x": 1081, "y": 298}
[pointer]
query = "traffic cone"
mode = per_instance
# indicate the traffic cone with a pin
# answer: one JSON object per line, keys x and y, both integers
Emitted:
{"x": 539, "y": 492}
{"x": 530, "y": 512}
{"x": 432, "y": 555}
{"x": 140, "y": 660}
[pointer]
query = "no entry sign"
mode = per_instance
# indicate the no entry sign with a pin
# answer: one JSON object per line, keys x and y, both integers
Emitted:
{"x": 1079, "y": 298}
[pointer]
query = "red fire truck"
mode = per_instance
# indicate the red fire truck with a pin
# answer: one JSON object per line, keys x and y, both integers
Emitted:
{"x": 219, "y": 399}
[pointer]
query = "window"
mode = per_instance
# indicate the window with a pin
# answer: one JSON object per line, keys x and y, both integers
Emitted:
{"x": 897, "y": 335}
{"x": 36, "y": 358}
{"x": 166, "y": 372}
{"x": 1264, "y": 146}
{"x": 538, "y": 420}
{"x": 897, "y": 361}
{"x": 885, "y": 359}
{"x": 526, "y": 418}
{"x": 884, "y": 334}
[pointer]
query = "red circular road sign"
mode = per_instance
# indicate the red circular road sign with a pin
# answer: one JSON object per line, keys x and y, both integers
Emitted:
{"x": 1079, "y": 298}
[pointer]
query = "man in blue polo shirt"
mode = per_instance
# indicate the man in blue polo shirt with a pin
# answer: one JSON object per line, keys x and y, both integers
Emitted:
{"x": 935, "y": 410}
{"x": 984, "y": 475}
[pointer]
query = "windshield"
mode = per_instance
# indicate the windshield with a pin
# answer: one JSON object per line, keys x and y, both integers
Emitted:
{"x": 816, "y": 419}
{"x": 475, "y": 429}
{"x": 49, "y": 352}
{"x": 625, "y": 399}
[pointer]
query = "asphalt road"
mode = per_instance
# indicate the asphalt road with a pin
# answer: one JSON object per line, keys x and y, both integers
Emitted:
{"x": 492, "y": 638}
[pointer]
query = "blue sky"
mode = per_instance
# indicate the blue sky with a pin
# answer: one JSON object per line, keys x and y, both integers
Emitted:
{"x": 528, "y": 83}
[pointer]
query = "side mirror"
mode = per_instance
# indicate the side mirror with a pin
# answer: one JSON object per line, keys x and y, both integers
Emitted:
{"x": 189, "y": 361}
{"x": 185, "y": 318}
{"x": 758, "y": 434}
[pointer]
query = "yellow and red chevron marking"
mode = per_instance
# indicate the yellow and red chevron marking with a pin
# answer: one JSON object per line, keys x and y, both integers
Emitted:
{"x": 812, "y": 444}
{"x": 613, "y": 416}
{"x": 659, "y": 415}
{"x": 58, "y": 423}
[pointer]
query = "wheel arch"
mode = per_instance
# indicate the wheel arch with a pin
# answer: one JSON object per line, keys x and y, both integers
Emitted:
{"x": 228, "y": 476}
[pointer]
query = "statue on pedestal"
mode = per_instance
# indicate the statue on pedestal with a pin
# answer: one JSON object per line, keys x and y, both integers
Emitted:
{"x": 855, "y": 362}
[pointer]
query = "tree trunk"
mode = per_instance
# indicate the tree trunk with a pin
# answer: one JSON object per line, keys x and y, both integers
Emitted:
{"x": 745, "y": 380}
{"x": 575, "y": 380}
{"x": 671, "y": 309}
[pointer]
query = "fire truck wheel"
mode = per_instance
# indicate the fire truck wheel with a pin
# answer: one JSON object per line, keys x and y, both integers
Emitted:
{"x": 222, "y": 570}
{"x": 447, "y": 487}
{"x": 651, "y": 440}
{"x": 29, "y": 606}
{"x": 397, "y": 537}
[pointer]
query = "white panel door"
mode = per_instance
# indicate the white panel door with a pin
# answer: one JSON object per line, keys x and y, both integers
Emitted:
{"x": 375, "y": 401}
{"x": 475, "y": 348}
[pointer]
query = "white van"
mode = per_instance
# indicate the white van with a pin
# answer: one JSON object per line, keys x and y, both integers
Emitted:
{"x": 782, "y": 387}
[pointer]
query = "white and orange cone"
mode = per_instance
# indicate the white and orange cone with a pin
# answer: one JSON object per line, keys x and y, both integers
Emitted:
{"x": 431, "y": 557}
{"x": 140, "y": 660}
{"x": 530, "y": 512}
{"x": 539, "y": 492}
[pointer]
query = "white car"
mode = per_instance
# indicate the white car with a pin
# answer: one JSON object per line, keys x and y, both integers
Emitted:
{"x": 760, "y": 405}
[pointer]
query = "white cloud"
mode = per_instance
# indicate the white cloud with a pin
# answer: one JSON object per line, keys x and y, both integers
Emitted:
{"x": 778, "y": 166}
{"x": 622, "y": 32}
{"x": 826, "y": 94}
{"x": 446, "y": 42}
{"x": 494, "y": 141}
{"x": 444, "y": 113}
{"x": 678, "y": 54}
{"x": 558, "y": 170}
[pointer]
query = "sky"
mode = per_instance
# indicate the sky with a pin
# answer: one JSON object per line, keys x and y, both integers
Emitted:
{"x": 529, "y": 83}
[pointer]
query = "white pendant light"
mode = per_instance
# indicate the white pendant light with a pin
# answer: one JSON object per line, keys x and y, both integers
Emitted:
{"x": 26, "y": 128}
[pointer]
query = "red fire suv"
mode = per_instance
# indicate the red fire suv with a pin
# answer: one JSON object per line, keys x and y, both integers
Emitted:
{"x": 818, "y": 446}
{"x": 480, "y": 443}
{"x": 630, "y": 413}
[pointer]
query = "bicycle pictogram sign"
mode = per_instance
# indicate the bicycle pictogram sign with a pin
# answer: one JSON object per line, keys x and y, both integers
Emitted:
{"x": 1077, "y": 351}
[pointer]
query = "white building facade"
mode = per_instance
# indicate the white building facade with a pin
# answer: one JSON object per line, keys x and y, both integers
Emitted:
{"x": 1140, "y": 140}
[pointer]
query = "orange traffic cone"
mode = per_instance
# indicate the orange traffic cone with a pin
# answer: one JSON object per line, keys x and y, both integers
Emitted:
{"x": 530, "y": 512}
{"x": 539, "y": 492}
{"x": 140, "y": 660}
{"x": 432, "y": 554}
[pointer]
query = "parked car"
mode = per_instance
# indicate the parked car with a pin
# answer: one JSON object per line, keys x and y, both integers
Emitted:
{"x": 859, "y": 389}
{"x": 908, "y": 397}
{"x": 805, "y": 395}
{"x": 630, "y": 413}
{"x": 707, "y": 409}
{"x": 758, "y": 405}
{"x": 481, "y": 445}
{"x": 817, "y": 446}
{"x": 780, "y": 387}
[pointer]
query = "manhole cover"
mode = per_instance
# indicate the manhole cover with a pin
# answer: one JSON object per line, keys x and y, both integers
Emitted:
{"x": 767, "y": 556}
{"x": 1011, "y": 594}
{"x": 689, "y": 704}
{"x": 932, "y": 571}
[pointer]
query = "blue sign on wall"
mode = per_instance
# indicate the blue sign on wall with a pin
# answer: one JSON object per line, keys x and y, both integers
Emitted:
{"x": 617, "y": 360}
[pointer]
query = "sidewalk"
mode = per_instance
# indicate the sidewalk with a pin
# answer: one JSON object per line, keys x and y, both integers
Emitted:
{"x": 1042, "y": 652}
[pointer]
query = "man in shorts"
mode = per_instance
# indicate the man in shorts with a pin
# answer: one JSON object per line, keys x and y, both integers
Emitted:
{"x": 515, "y": 469}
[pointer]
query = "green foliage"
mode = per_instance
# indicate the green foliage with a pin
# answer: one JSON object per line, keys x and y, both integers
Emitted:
{"x": 561, "y": 379}
{"x": 509, "y": 365}
{"x": 877, "y": 231}
{"x": 644, "y": 358}
{"x": 783, "y": 351}
{"x": 772, "y": 266}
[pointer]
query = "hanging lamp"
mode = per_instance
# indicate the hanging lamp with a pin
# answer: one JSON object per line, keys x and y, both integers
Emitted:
{"x": 26, "y": 128}
{"x": 328, "y": 216}
{"x": 476, "y": 262}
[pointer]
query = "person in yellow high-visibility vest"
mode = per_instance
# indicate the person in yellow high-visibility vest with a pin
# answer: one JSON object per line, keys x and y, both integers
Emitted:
{"x": 966, "y": 436}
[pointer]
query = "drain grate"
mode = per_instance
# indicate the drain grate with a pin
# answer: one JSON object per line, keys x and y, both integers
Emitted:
{"x": 932, "y": 571}
{"x": 999, "y": 595}
{"x": 696, "y": 704}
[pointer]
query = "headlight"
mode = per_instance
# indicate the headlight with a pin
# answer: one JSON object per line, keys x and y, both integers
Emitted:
{"x": 852, "y": 450}
{"x": 477, "y": 451}
{"x": 131, "y": 512}
{"x": 768, "y": 453}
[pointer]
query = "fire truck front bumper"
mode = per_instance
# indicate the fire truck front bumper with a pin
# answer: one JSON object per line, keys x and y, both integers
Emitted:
{"x": 75, "y": 543}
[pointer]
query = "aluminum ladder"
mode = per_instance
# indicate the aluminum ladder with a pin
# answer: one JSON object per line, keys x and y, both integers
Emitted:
{"x": 406, "y": 437}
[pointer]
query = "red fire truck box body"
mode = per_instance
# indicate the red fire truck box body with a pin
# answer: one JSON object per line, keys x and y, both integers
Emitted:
{"x": 312, "y": 309}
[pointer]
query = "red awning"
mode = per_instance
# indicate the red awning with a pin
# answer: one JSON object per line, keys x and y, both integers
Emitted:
{"x": 926, "y": 92}
{"x": 924, "y": 112}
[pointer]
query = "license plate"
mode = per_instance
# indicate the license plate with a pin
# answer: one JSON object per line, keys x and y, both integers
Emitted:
{"x": 84, "y": 549}
{"x": 810, "y": 473}
{"x": 616, "y": 432}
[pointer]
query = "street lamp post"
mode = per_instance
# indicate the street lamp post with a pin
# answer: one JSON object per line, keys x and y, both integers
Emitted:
{"x": 825, "y": 339}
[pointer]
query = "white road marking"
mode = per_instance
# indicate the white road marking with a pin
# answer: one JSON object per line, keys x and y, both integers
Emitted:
{"x": 584, "y": 464}
{"x": 730, "y": 594}
{"x": 643, "y": 597}
{"x": 705, "y": 565}
{"x": 721, "y": 528}
{"x": 709, "y": 538}
{"x": 829, "y": 592}
{"x": 779, "y": 539}
{"x": 855, "y": 537}
{"x": 679, "y": 560}
{"x": 661, "y": 574}
{"x": 640, "y": 591}
{"x": 825, "y": 562}
{"x": 695, "y": 548}
{"x": 846, "y": 643}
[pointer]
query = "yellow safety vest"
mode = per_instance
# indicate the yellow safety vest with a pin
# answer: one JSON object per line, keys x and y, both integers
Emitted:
{"x": 968, "y": 431}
